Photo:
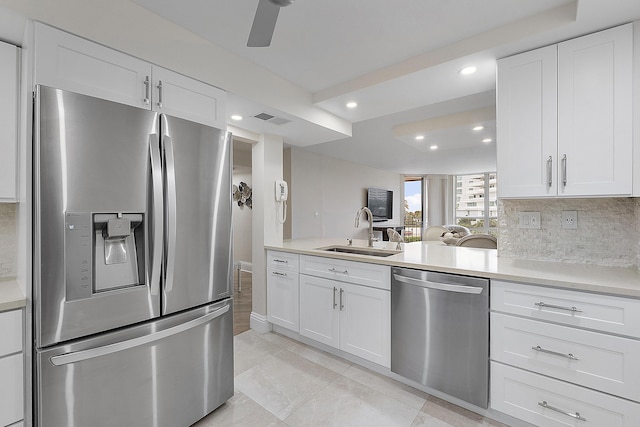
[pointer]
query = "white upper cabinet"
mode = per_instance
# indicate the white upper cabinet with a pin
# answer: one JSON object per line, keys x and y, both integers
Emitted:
{"x": 595, "y": 105}
{"x": 564, "y": 116}
{"x": 9, "y": 83}
{"x": 190, "y": 99}
{"x": 527, "y": 124}
{"x": 68, "y": 62}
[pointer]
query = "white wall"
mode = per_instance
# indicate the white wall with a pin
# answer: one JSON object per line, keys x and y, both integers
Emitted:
{"x": 326, "y": 193}
{"x": 266, "y": 230}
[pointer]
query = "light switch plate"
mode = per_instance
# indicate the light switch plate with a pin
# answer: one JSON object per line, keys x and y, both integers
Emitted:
{"x": 570, "y": 220}
{"x": 529, "y": 220}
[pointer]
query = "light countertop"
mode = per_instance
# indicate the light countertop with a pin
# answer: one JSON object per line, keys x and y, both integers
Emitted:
{"x": 11, "y": 296}
{"x": 482, "y": 263}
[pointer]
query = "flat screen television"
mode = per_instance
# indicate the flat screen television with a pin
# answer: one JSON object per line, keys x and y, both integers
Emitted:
{"x": 380, "y": 203}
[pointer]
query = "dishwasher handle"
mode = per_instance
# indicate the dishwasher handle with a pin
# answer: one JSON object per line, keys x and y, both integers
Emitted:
{"x": 439, "y": 286}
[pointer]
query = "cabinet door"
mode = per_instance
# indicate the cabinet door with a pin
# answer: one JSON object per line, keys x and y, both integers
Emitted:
{"x": 189, "y": 99}
{"x": 11, "y": 389}
{"x": 319, "y": 312}
{"x": 282, "y": 298}
{"x": 595, "y": 113}
{"x": 527, "y": 124}
{"x": 68, "y": 62}
{"x": 365, "y": 323}
{"x": 8, "y": 121}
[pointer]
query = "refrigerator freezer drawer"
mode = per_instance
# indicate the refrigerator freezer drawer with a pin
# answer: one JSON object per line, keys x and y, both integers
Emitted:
{"x": 170, "y": 372}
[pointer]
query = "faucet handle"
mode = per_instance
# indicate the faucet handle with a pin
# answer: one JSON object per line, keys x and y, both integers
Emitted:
{"x": 350, "y": 241}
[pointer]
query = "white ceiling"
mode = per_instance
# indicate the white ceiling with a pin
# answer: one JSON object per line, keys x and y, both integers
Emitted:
{"x": 398, "y": 59}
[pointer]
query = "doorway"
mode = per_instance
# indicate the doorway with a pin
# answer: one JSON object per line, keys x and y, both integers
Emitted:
{"x": 242, "y": 206}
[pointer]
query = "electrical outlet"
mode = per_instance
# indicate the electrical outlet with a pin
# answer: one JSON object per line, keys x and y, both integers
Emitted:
{"x": 529, "y": 220}
{"x": 570, "y": 220}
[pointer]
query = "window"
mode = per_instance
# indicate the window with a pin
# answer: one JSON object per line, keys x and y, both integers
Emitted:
{"x": 476, "y": 206}
{"x": 413, "y": 208}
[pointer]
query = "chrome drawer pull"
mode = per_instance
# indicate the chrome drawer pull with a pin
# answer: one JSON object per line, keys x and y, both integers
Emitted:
{"x": 559, "y": 307}
{"x": 575, "y": 415}
{"x": 556, "y": 353}
{"x": 333, "y": 270}
{"x": 281, "y": 260}
{"x": 276, "y": 273}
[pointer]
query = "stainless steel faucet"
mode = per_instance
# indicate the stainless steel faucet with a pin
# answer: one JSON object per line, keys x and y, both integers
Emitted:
{"x": 370, "y": 216}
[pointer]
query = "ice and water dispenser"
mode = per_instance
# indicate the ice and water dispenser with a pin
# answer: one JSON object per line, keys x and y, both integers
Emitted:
{"x": 103, "y": 252}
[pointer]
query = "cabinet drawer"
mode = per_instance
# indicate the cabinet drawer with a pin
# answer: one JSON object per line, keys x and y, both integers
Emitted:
{"x": 282, "y": 260}
{"x": 521, "y": 394}
{"x": 10, "y": 332}
{"x": 362, "y": 273}
{"x": 599, "y": 361}
{"x": 582, "y": 309}
{"x": 11, "y": 389}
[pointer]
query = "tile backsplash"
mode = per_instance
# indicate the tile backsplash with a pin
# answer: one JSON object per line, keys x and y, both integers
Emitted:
{"x": 608, "y": 231}
{"x": 7, "y": 240}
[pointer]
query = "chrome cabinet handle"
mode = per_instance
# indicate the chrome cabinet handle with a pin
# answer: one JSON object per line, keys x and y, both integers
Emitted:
{"x": 559, "y": 307}
{"x": 564, "y": 170}
{"x": 147, "y": 88}
{"x": 341, "y": 304}
{"x": 277, "y": 273}
{"x": 334, "y": 297}
{"x": 549, "y": 171}
{"x": 333, "y": 270}
{"x": 556, "y": 353}
{"x": 575, "y": 415}
{"x": 159, "y": 94}
{"x": 284, "y": 261}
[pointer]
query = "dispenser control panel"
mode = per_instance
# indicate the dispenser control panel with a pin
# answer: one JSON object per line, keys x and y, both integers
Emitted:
{"x": 78, "y": 250}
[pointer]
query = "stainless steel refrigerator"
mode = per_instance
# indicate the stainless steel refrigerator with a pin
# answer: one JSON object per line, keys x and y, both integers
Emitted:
{"x": 132, "y": 265}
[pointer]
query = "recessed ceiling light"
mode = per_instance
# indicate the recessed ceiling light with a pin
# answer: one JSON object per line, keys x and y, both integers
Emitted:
{"x": 433, "y": 147}
{"x": 487, "y": 140}
{"x": 236, "y": 117}
{"x": 468, "y": 70}
{"x": 352, "y": 104}
{"x": 477, "y": 128}
{"x": 419, "y": 137}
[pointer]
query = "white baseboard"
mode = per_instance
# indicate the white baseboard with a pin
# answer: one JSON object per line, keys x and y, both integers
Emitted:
{"x": 259, "y": 323}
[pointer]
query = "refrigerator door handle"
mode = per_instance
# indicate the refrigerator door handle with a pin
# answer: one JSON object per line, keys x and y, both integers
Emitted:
{"x": 170, "y": 177}
{"x": 156, "y": 236}
{"x": 79, "y": 356}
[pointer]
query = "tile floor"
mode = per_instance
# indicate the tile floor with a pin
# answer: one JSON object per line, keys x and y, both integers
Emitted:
{"x": 280, "y": 382}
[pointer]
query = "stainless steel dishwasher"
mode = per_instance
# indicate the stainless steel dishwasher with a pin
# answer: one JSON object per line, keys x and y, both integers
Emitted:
{"x": 440, "y": 332}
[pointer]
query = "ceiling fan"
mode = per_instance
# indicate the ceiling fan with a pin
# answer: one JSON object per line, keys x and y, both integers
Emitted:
{"x": 265, "y": 22}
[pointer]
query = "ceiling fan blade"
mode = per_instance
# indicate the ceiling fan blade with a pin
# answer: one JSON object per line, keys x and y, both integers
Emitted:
{"x": 263, "y": 24}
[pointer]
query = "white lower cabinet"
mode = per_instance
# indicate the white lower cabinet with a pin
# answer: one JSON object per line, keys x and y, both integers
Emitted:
{"x": 11, "y": 368}
{"x": 353, "y": 318}
{"x": 282, "y": 298}
{"x": 600, "y": 361}
{"x": 544, "y": 401}
{"x": 555, "y": 360}
{"x": 282, "y": 289}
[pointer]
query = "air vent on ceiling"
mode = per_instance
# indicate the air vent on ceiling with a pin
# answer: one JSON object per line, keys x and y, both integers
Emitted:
{"x": 278, "y": 121}
{"x": 264, "y": 116}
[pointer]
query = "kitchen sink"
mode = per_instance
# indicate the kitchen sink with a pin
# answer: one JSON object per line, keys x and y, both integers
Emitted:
{"x": 360, "y": 251}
